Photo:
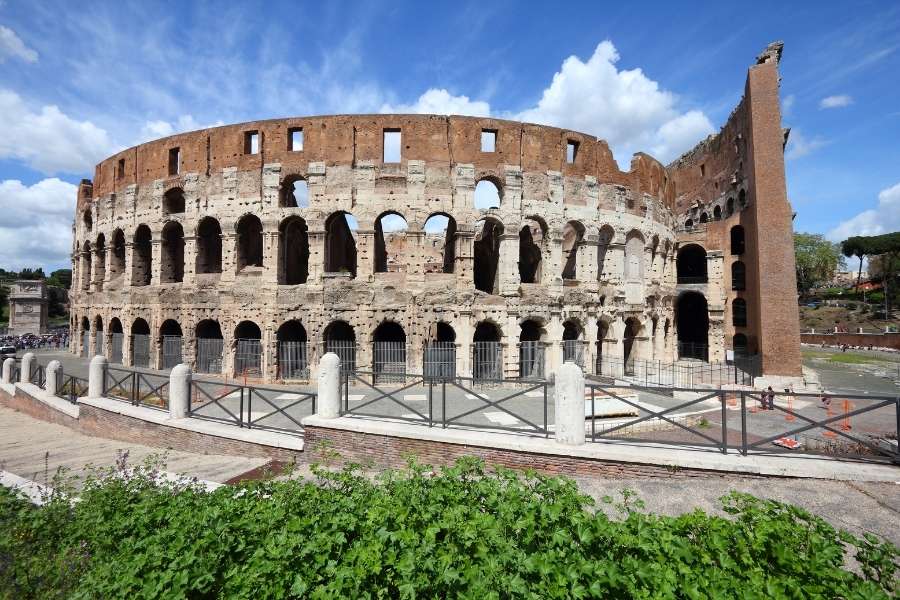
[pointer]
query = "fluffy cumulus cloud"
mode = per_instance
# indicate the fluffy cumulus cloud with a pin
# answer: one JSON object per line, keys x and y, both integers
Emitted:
{"x": 36, "y": 226}
{"x": 441, "y": 102}
{"x": 48, "y": 140}
{"x": 799, "y": 145}
{"x": 12, "y": 46}
{"x": 836, "y": 101}
{"x": 624, "y": 107}
{"x": 884, "y": 218}
{"x": 153, "y": 130}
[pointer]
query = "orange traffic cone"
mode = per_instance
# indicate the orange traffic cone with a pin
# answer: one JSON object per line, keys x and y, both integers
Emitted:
{"x": 845, "y": 422}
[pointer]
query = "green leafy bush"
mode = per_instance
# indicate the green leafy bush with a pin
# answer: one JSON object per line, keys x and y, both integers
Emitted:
{"x": 460, "y": 532}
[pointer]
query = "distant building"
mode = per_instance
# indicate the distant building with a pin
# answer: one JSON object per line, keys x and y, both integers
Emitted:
{"x": 28, "y": 307}
{"x": 848, "y": 278}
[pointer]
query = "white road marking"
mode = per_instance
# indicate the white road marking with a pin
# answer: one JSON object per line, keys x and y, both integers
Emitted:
{"x": 474, "y": 397}
{"x": 501, "y": 418}
{"x": 356, "y": 397}
{"x": 414, "y": 398}
{"x": 289, "y": 397}
{"x": 534, "y": 394}
{"x": 411, "y": 416}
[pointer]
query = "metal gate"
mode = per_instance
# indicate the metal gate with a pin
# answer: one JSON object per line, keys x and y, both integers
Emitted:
{"x": 98, "y": 343}
{"x": 248, "y": 357}
{"x": 531, "y": 360}
{"x": 440, "y": 360}
{"x": 140, "y": 350}
{"x": 346, "y": 351}
{"x": 115, "y": 351}
{"x": 171, "y": 351}
{"x": 573, "y": 351}
{"x": 389, "y": 361}
{"x": 293, "y": 360}
{"x": 209, "y": 355}
{"x": 86, "y": 344}
{"x": 487, "y": 361}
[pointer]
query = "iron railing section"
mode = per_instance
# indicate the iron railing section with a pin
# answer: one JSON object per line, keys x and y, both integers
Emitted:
{"x": 375, "y": 407}
{"x": 98, "y": 344}
{"x": 532, "y": 360}
{"x": 522, "y": 391}
{"x": 683, "y": 375}
{"x": 86, "y": 344}
{"x": 137, "y": 388}
{"x": 293, "y": 360}
{"x": 487, "y": 362}
{"x": 215, "y": 401}
{"x": 693, "y": 279}
{"x": 171, "y": 351}
{"x": 693, "y": 350}
{"x": 119, "y": 384}
{"x": 439, "y": 360}
{"x": 283, "y": 408}
{"x": 117, "y": 343}
{"x": 140, "y": 350}
{"x": 389, "y": 362}
{"x": 209, "y": 355}
{"x": 248, "y": 357}
{"x": 72, "y": 388}
{"x": 574, "y": 351}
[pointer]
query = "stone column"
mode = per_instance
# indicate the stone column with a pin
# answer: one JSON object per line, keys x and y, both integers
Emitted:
{"x": 179, "y": 391}
{"x": 615, "y": 256}
{"x": 190, "y": 260}
{"x": 568, "y": 400}
{"x": 53, "y": 377}
{"x": 554, "y": 352}
{"x": 128, "y": 275}
{"x": 465, "y": 330}
{"x": 509, "y": 264}
{"x": 328, "y": 403}
{"x": 590, "y": 352}
{"x": 97, "y": 377}
{"x": 155, "y": 261}
{"x": 414, "y": 254}
{"x": 587, "y": 261}
{"x": 26, "y": 367}
{"x": 554, "y": 267}
{"x": 269, "y": 345}
{"x": 465, "y": 259}
{"x": 270, "y": 257}
{"x": 126, "y": 347}
{"x": 229, "y": 257}
{"x": 365, "y": 254}
{"x": 316, "y": 263}
{"x": 8, "y": 365}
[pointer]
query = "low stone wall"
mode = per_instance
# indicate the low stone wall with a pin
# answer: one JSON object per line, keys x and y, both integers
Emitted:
{"x": 878, "y": 340}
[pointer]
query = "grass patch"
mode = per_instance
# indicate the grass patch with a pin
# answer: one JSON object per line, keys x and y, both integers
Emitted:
{"x": 846, "y": 358}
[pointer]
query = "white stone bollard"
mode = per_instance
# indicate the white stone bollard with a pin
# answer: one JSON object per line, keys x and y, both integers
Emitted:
{"x": 329, "y": 390}
{"x": 26, "y": 367}
{"x": 97, "y": 377}
{"x": 8, "y": 366}
{"x": 179, "y": 391}
{"x": 54, "y": 376}
{"x": 568, "y": 398}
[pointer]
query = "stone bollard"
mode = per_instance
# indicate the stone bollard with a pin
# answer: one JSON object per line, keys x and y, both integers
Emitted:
{"x": 54, "y": 377}
{"x": 179, "y": 391}
{"x": 568, "y": 399}
{"x": 97, "y": 377}
{"x": 9, "y": 366}
{"x": 26, "y": 367}
{"x": 329, "y": 390}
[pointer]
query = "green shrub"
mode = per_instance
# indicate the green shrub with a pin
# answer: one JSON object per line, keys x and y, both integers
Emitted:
{"x": 459, "y": 532}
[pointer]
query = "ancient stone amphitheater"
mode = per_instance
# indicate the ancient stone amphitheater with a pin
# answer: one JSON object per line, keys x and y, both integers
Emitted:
{"x": 419, "y": 243}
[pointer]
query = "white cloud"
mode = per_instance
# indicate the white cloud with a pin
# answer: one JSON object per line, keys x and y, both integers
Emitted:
{"x": 787, "y": 104}
{"x": 153, "y": 130}
{"x": 884, "y": 218}
{"x": 799, "y": 146}
{"x": 625, "y": 108}
{"x": 36, "y": 225}
{"x": 49, "y": 141}
{"x": 11, "y": 45}
{"x": 836, "y": 101}
{"x": 441, "y": 102}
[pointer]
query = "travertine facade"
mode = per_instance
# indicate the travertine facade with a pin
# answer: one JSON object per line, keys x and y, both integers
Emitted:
{"x": 199, "y": 235}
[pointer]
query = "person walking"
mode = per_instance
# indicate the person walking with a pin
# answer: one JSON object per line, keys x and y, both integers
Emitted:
{"x": 770, "y": 397}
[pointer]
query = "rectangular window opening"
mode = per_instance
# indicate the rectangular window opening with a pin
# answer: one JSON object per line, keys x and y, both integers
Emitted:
{"x": 121, "y": 172}
{"x": 702, "y": 170}
{"x": 174, "y": 161}
{"x": 392, "y": 141}
{"x": 571, "y": 151}
{"x": 295, "y": 139}
{"x": 251, "y": 142}
{"x": 488, "y": 140}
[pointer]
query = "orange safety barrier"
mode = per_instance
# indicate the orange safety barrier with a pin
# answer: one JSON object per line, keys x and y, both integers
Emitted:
{"x": 828, "y": 415}
{"x": 845, "y": 422}
{"x": 788, "y": 416}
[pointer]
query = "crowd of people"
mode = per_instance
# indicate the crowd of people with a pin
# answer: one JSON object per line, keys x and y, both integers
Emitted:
{"x": 29, "y": 341}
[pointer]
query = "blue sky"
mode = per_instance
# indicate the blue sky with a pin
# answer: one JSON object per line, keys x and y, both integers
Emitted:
{"x": 80, "y": 80}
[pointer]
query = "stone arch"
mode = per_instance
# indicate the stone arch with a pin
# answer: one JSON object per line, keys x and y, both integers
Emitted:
{"x": 633, "y": 330}
{"x": 739, "y": 312}
{"x": 100, "y": 251}
{"x": 487, "y": 351}
{"x": 293, "y": 359}
{"x": 487, "y": 255}
{"x": 339, "y": 337}
{"x": 389, "y": 351}
{"x": 249, "y": 242}
{"x": 116, "y": 336}
{"x": 293, "y": 192}
{"x": 210, "y": 346}
{"x": 691, "y": 264}
{"x": 390, "y": 249}
{"x": 488, "y": 193}
{"x": 740, "y": 345}
{"x": 293, "y": 255}
{"x": 704, "y": 217}
{"x": 532, "y": 242}
{"x": 437, "y": 224}
{"x": 117, "y": 260}
{"x": 340, "y": 244}
{"x": 87, "y": 219}
{"x": 142, "y": 257}
{"x": 444, "y": 332}
{"x": 209, "y": 246}
{"x": 171, "y": 343}
{"x": 634, "y": 256}
{"x": 140, "y": 343}
{"x": 689, "y": 224}
{"x": 692, "y": 321}
{"x": 573, "y": 342}
{"x": 737, "y": 240}
{"x": 172, "y": 255}
{"x": 532, "y": 359}
{"x": 606, "y": 236}
{"x": 572, "y": 237}
{"x": 738, "y": 276}
{"x": 173, "y": 201}
{"x": 86, "y": 260}
{"x": 717, "y": 213}
{"x": 729, "y": 207}
{"x": 742, "y": 199}
{"x": 247, "y": 349}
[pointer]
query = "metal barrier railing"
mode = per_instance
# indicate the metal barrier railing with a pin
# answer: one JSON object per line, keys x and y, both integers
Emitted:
{"x": 697, "y": 375}
{"x": 72, "y": 388}
{"x": 137, "y": 388}
{"x": 234, "y": 404}
{"x": 209, "y": 355}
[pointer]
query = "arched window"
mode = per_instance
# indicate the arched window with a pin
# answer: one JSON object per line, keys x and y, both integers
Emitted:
{"x": 249, "y": 242}
{"x": 704, "y": 218}
{"x": 573, "y": 234}
{"x": 689, "y": 224}
{"x": 171, "y": 343}
{"x": 172, "y": 267}
{"x": 389, "y": 352}
{"x": 605, "y": 238}
{"x": 487, "y": 255}
{"x": 572, "y": 344}
{"x": 739, "y": 344}
{"x": 487, "y": 194}
{"x": 440, "y": 241}
{"x": 142, "y": 257}
{"x": 87, "y": 219}
{"x": 173, "y": 201}
{"x": 691, "y": 264}
{"x": 739, "y": 312}
{"x": 117, "y": 262}
{"x": 116, "y": 339}
{"x": 210, "y": 346}
{"x": 440, "y": 351}
{"x": 531, "y": 350}
{"x": 717, "y": 213}
{"x": 86, "y": 260}
{"x": 390, "y": 243}
{"x": 209, "y": 247}
{"x": 634, "y": 257}
{"x": 292, "y": 351}
{"x": 531, "y": 244}
{"x": 294, "y": 251}
{"x": 742, "y": 199}
{"x": 692, "y": 322}
{"x": 737, "y": 240}
{"x": 247, "y": 349}
{"x": 738, "y": 276}
{"x": 629, "y": 340}
{"x": 140, "y": 343}
{"x": 100, "y": 251}
{"x": 729, "y": 207}
{"x": 341, "y": 340}
{"x": 294, "y": 192}
{"x": 340, "y": 244}
{"x": 487, "y": 352}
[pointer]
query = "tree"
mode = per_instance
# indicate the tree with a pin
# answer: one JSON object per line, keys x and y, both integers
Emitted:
{"x": 817, "y": 260}
{"x": 61, "y": 278}
{"x": 855, "y": 246}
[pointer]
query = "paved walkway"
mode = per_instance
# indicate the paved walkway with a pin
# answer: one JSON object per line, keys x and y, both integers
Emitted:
{"x": 34, "y": 449}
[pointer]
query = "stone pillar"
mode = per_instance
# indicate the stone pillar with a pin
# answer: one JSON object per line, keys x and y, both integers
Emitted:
{"x": 568, "y": 399}
{"x": 329, "y": 387}
{"x": 126, "y": 348}
{"x": 509, "y": 264}
{"x": 316, "y": 263}
{"x": 365, "y": 254}
{"x": 97, "y": 377}
{"x": 155, "y": 261}
{"x": 229, "y": 257}
{"x": 8, "y": 365}
{"x": 554, "y": 352}
{"x": 179, "y": 391}
{"x": 615, "y": 256}
{"x": 190, "y": 259}
{"x": 465, "y": 330}
{"x": 270, "y": 257}
{"x": 26, "y": 367}
{"x": 554, "y": 267}
{"x": 590, "y": 352}
{"x": 587, "y": 261}
{"x": 415, "y": 255}
{"x": 53, "y": 377}
{"x": 269, "y": 343}
{"x": 128, "y": 275}
{"x": 465, "y": 259}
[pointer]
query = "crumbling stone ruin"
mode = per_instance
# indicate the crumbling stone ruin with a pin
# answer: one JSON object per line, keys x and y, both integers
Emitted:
{"x": 419, "y": 242}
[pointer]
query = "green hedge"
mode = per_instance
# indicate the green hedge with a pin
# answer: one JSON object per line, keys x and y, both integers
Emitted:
{"x": 457, "y": 533}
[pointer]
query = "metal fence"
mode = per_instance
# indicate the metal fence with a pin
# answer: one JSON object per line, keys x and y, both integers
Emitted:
{"x": 248, "y": 357}
{"x": 487, "y": 361}
{"x": 137, "y": 388}
{"x": 532, "y": 358}
{"x": 98, "y": 344}
{"x": 209, "y": 355}
{"x": 171, "y": 351}
{"x": 439, "y": 360}
{"x": 293, "y": 360}
{"x": 688, "y": 375}
{"x": 346, "y": 351}
{"x": 252, "y": 407}
{"x": 573, "y": 351}
{"x": 117, "y": 342}
{"x": 86, "y": 344}
{"x": 693, "y": 350}
{"x": 389, "y": 362}
{"x": 72, "y": 388}
{"x": 140, "y": 350}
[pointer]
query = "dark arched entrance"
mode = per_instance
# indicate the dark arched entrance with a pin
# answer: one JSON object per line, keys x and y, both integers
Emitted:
{"x": 692, "y": 320}
{"x": 487, "y": 353}
{"x": 293, "y": 357}
{"x": 248, "y": 349}
{"x": 691, "y": 264}
{"x": 531, "y": 350}
{"x": 389, "y": 352}
{"x": 341, "y": 339}
{"x": 210, "y": 346}
{"x": 171, "y": 343}
{"x": 440, "y": 352}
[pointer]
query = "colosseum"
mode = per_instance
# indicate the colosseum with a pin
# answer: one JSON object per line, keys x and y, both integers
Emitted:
{"x": 456, "y": 245}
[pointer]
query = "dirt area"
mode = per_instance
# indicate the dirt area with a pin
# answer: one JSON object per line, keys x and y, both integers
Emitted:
{"x": 824, "y": 318}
